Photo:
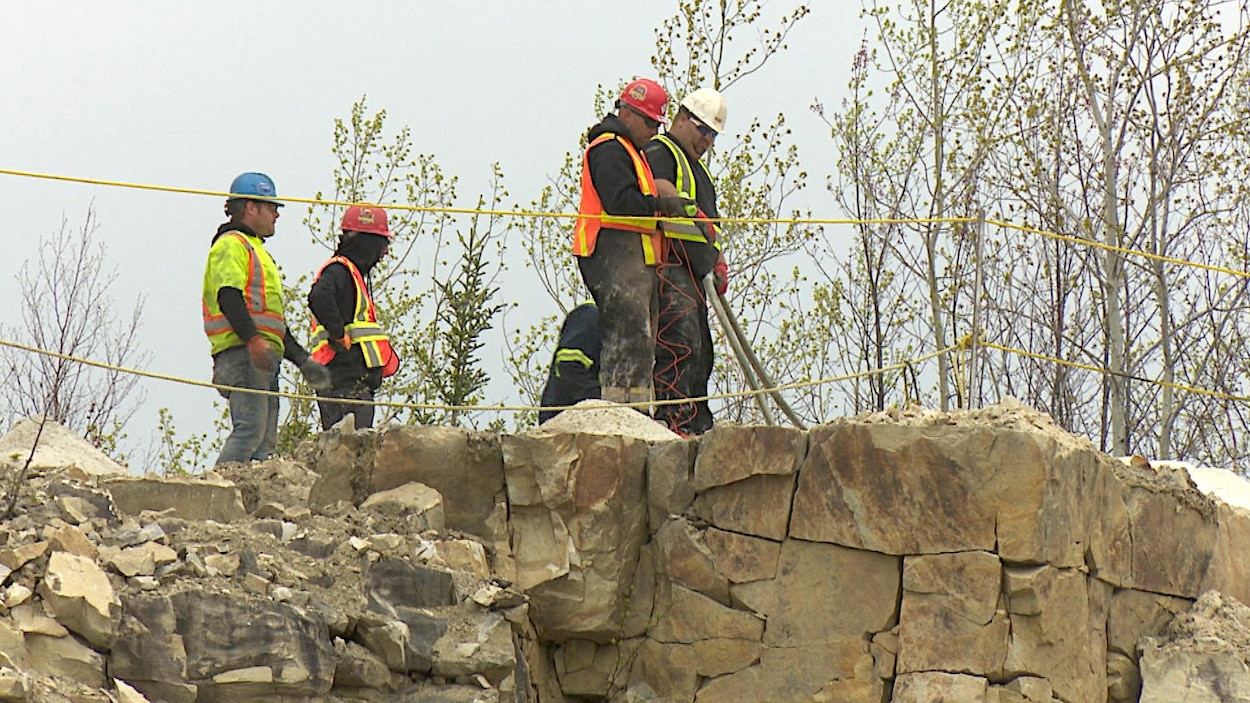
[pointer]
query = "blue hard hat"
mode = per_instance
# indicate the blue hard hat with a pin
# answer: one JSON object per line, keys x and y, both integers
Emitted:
{"x": 254, "y": 186}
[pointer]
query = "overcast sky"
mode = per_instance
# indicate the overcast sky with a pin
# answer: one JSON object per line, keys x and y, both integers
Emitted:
{"x": 191, "y": 94}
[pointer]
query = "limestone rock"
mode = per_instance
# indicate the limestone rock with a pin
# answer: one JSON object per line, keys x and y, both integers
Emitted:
{"x": 80, "y": 596}
{"x": 68, "y": 538}
{"x": 148, "y": 652}
{"x": 758, "y": 506}
{"x": 741, "y": 558}
{"x": 685, "y": 559}
{"x": 242, "y": 646}
{"x": 65, "y": 656}
{"x": 13, "y": 685}
{"x": 394, "y": 583}
{"x": 127, "y": 693}
{"x": 730, "y": 453}
{"x": 950, "y": 617}
{"x": 834, "y": 671}
{"x": 578, "y": 523}
{"x": 481, "y": 644}
{"x": 420, "y": 505}
{"x": 1051, "y": 634}
{"x": 12, "y": 646}
{"x": 142, "y": 560}
{"x": 670, "y": 468}
{"x": 940, "y": 687}
{"x": 1203, "y": 656}
{"x": 589, "y": 669}
{"x": 1136, "y": 614}
{"x": 15, "y": 558}
{"x": 189, "y": 498}
{"x": 687, "y": 617}
{"x": 722, "y": 655}
{"x": 58, "y": 448}
{"x": 464, "y": 555}
{"x": 813, "y": 575}
{"x": 356, "y": 666}
{"x": 670, "y": 670}
{"x": 465, "y": 467}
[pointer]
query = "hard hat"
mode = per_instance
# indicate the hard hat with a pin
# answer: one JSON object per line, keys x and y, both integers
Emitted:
{"x": 366, "y": 218}
{"x": 254, "y": 186}
{"x": 647, "y": 97}
{"x": 708, "y": 106}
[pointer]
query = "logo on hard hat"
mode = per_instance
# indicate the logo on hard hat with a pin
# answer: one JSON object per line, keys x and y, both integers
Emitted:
{"x": 366, "y": 216}
{"x": 638, "y": 91}
{"x": 264, "y": 188}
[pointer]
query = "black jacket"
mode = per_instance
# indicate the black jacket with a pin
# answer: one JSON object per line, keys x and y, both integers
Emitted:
{"x": 570, "y": 382}
{"x": 332, "y": 301}
{"x": 698, "y": 256}
{"x": 612, "y": 172}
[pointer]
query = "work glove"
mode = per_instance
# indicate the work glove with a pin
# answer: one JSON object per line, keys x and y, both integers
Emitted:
{"x": 676, "y": 206}
{"x": 317, "y": 375}
{"x": 720, "y": 272}
{"x": 264, "y": 357}
{"x": 341, "y": 345}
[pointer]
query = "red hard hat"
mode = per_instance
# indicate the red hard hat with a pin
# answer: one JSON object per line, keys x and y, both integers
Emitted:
{"x": 646, "y": 96}
{"x": 366, "y": 218}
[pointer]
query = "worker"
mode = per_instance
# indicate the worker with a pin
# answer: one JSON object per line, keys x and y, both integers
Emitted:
{"x": 574, "y": 374}
{"x": 245, "y": 321}
{"x": 683, "y": 350}
{"x": 346, "y": 335}
{"x": 616, "y": 240}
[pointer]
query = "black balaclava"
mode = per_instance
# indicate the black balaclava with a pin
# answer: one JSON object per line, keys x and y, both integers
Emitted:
{"x": 363, "y": 248}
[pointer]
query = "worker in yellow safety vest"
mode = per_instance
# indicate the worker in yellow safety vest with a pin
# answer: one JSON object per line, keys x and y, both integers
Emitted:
{"x": 616, "y": 239}
{"x": 245, "y": 322}
{"x": 683, "y": 350}
{"x": 347, "y": 337}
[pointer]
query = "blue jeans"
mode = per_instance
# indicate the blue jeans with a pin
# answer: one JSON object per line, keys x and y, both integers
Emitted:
{"x": 253, "y": 418}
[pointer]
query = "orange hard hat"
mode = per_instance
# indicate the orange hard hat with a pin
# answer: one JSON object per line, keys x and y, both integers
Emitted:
{"x": 647, "y": 97}
{"x": 366, "y": 218}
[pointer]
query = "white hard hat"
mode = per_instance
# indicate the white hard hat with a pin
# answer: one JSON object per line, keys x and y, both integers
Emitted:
{"x": 708, "y": 106}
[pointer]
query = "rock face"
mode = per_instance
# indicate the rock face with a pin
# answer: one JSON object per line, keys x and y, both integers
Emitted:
{"x": 906, "y": 556}
{"x": 1203, "y": 655}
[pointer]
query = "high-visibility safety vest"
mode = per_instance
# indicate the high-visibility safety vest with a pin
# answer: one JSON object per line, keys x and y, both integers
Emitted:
{"x": 237, "y": 260}
{"x": 591, "y": 216}
{"x": 687, "y": 187}
{"x": 363, "y": 330}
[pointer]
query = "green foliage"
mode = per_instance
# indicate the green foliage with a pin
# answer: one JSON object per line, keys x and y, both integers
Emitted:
{"x": 192, "y": 455}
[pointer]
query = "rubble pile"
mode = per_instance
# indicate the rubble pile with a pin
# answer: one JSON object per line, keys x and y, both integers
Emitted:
{"x": 978, "y": 557}
{"x": 127, "y": 588}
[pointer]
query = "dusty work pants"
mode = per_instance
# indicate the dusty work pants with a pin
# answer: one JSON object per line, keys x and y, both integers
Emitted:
{"x": 253, "y": 417}
{"x": 624, "y": 289}
{"x": 683, "y": 349}
{"x": 332, "y": 412}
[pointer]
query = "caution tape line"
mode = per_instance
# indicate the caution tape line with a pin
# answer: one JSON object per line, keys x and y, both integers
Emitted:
{"x": 723, "y": 220}
{"x": 458, "y": 408}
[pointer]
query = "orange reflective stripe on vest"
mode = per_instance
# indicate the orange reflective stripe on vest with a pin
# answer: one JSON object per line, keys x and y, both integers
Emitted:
{"x": 591, "y": 216}
{"x": 363, "y": 330}
{"x": 253, "y": 296}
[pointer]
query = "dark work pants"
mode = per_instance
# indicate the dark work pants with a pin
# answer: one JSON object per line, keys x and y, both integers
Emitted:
{"x": 624, "y": 288}
{"x": 683, "y": 349}
{"x": 332, "y": 413}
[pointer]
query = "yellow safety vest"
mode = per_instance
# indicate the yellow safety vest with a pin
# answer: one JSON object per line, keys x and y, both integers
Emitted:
{"x": 363, "y": 330}
{"x": 591, "y": 216}
{"x": 237, "y": 260}
{"x": 687, "y": 187}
